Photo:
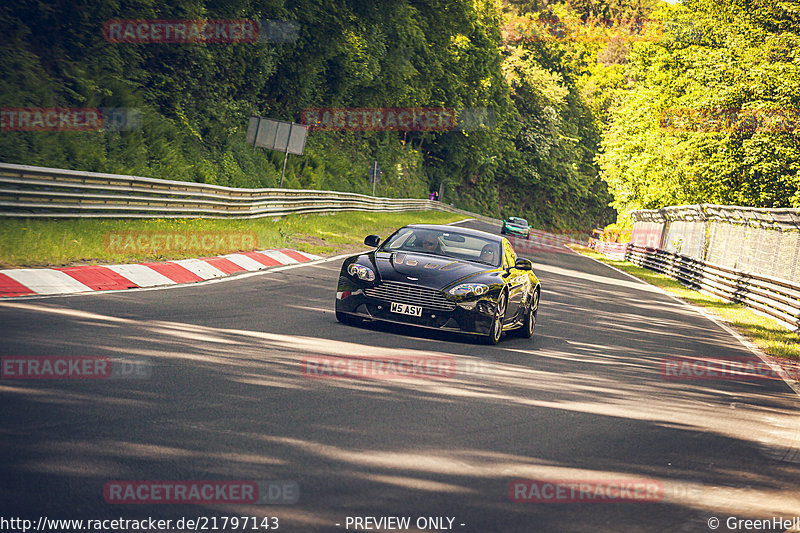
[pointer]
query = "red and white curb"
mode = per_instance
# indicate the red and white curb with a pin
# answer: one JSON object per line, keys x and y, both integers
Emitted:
{"x": 69, "y": 280}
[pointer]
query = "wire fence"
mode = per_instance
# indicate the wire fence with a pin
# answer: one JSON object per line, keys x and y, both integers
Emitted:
{"x": 743, "y": 254}
{"x": 745, "y": 239}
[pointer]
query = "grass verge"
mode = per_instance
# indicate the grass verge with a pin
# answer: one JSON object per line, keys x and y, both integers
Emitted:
{"x": 764, "y": 332}
{"x": 64, "y": 242}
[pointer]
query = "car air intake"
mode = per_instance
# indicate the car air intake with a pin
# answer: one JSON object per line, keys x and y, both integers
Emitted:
{"x": 392, "y": 291}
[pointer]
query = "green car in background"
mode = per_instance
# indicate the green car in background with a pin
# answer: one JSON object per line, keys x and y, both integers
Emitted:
{"x": 516, "y": 226}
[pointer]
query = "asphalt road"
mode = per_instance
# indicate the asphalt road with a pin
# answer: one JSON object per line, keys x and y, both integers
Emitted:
{"x": 587, "y": 400}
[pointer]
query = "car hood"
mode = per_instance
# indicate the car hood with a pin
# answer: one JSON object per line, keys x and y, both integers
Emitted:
{"x": 425, "y": 270}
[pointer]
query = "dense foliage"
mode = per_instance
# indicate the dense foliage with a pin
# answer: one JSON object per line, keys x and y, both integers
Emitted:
{"x": 567, "y": 109}
{"x": 710, "y": 110}
{"x": 535, "y": 160}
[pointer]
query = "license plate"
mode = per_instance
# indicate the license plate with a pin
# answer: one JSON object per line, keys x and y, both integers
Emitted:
{"x": 405, "y": 309}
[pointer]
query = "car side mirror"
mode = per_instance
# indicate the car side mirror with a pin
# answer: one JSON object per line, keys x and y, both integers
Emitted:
{"x": 372, "y": 240}
{"x": 523, "y": 264}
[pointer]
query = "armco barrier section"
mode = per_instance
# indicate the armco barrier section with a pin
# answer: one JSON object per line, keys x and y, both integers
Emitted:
{"x": 773, "y": 296}
{"x": 28, "y": 191}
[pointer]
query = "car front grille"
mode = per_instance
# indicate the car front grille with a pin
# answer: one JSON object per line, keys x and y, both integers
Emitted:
{"x": 392, "y": 291}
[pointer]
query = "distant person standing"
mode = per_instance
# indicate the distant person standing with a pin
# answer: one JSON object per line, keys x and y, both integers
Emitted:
{"x": 435, "y": 196}
{"x": 432, "y": 196}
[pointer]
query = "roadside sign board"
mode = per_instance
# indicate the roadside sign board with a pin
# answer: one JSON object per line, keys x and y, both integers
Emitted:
{"x": 277, "y": 135}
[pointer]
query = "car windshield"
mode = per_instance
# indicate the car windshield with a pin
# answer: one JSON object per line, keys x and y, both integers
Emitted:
{"x": 518, "y": 221}
{"x": 445, "y": 243}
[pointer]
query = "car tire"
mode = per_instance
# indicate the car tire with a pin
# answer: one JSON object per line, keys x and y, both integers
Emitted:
{"x": 496, "y": 329}
{"x": 526, "y": 331}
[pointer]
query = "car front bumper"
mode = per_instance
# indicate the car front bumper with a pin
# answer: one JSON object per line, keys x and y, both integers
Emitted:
{"x": 516, "y": 231}
{"x": 472, "y": 316}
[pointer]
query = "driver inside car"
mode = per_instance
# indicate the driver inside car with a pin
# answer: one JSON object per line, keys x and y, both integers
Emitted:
{"x": 428, "y": 243}
{"x": 489, "y": 254}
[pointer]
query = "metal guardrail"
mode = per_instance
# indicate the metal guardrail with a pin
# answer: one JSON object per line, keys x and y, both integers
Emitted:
{"x": 28, "y": 191}
{"x": 775, "y": 297}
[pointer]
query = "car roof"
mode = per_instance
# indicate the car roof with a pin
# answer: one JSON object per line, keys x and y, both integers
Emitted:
{"x": 458, "y": 229}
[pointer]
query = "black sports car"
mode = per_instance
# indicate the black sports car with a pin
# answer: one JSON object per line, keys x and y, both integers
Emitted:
{"x": 441, "y": 277}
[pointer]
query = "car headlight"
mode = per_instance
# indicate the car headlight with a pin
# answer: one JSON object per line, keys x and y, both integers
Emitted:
{"x": 466, "y": 289}
{"x": 361, "y": 272}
